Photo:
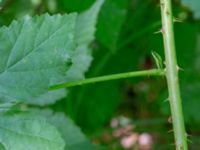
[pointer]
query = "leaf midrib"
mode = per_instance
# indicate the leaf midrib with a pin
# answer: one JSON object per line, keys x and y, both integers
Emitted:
{"x": 34, "y": 49}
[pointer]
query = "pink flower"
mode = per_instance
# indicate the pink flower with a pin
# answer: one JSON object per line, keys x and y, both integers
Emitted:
{"x": 145, "y": 141}
{"x": 128, "y": 141}
{"x": 114, "y": 123}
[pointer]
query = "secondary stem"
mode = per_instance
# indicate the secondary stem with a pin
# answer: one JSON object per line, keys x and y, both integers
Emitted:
{"x": 153, "y": 72}
{"x": 172, "y": 76}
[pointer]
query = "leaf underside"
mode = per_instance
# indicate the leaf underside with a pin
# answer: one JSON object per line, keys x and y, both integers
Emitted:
{"x": 72, "y": 135}
{"x": 22, "y": 132}
{"x": 36, "y": 51}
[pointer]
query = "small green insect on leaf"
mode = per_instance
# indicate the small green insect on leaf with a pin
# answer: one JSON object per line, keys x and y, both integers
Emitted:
{"x": 157, "y": 59}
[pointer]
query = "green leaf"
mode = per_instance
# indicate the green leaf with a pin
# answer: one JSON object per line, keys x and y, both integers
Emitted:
{"x": 102, "y": 99}
{"x": 194, "y": 5}
{"x": 75, "y": 5}
{"x": 5, "y": 107}
{"x": 100, "y": 102}
{"x": 16, "y": 9}
{"x": 72, "y": 135}
{"x": 34, "y": 53}
{"x": 111, "y": 18}
{"x": 85, "y": 30}
{"x": 48, "y": 98}
{"x": 81, "y": 58}
{"x": 100, "y": 105}
{"x": 188, "y": 55}
{"x": 86, "y": 22}
{"x": 22, "y": 132}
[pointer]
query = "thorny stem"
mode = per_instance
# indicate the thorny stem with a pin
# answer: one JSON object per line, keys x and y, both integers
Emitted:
{"x": 152, "y": 72}
{"x": 172, "y": 76}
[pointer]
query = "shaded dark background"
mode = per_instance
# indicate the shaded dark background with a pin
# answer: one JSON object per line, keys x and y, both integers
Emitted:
{"x": 125, "y": 37}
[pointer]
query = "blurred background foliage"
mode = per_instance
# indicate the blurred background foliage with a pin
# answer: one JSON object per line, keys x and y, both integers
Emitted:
{"x": 127, "y": 32}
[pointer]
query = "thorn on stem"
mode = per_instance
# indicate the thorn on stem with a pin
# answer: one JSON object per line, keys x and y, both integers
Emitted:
{"x": 179, "y": 68}
{"x": 169, "y": 119}
{"x": 170, "y": 131}
{"x": 172, "y": 144}
{"x": 162, "y": 4}
{"x": 188, "y": 135}
{"x": 160, "y": 31}
{"x": 165, "y": 70}
{"x": 166, "y": 100}
{"x": 168, "y": 13}
{"x": 177, "y": 20}
{"x": 157, "y": 32}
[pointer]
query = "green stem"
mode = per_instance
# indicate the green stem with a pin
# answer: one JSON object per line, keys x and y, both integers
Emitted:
{"x": 172, "y": 76}
{"x": 153, "y": 72}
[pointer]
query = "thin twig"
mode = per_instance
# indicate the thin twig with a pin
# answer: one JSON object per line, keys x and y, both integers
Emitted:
{"x": 153, "y": 72}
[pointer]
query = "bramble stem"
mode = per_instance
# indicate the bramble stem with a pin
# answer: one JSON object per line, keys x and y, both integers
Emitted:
{"x": 172, "y": 76}
{"x": 153, "y": 72}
